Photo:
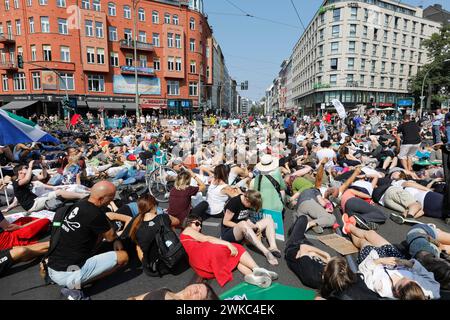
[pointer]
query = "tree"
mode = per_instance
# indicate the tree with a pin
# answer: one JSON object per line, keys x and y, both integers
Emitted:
{"x": 437, "y": 83}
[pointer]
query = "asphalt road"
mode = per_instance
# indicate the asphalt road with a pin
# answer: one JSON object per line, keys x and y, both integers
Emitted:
{"x": 19, "y": 283}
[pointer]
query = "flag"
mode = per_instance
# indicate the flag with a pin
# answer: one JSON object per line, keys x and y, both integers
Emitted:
{"x": 15, "y": 129}
{"x": 75, "y": 119}
{"x": 339, "y": 108}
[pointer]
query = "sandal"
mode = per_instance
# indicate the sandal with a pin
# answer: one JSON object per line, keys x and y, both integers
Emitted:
{"x": 271, "y": 259}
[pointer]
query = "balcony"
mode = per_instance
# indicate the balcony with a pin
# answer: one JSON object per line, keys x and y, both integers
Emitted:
{"x": 8, "y": 66}
{"x": 7, "y": 38}
{"x": 140, "y": 70}
{"x": 140, "y": 46}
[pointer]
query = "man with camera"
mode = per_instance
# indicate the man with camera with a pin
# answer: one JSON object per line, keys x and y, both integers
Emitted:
{"x": 22, "y": 185}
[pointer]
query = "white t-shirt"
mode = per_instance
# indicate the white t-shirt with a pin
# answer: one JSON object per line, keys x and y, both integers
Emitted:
{"x": 326, "y": 153}
{"x": 364, "y": 184}
{"x": 419, "y": 195}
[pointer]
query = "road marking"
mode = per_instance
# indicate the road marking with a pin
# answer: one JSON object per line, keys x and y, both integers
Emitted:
{"x": 211, "y": 224}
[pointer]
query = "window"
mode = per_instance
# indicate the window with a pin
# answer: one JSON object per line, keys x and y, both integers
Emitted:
{"x": 374, "y": 49}
{"x": 420, "y": 57}
{"x": 66, "y": 81}
{"x": 47, "y": 50}
{"x": 404, "y": 39}
{"x": 335, "y": 31}
{"x": 126, "y": 12}
{"x": 402, "y": 68}
{"x": 372, "y": 81}
{"x": 193, "y": 88}
{"x": 411, "y": 55}
{"x": 85, "y": 4}
{"x": 384, "y": 51}
{"x": 62, "y": 26}
{"x": 142, "y": 36}
{"x": 335, "y": 47}
{"x": 405, "y": 24}
{"x": 90, "y": 55}
{"x": 178, "y": 41}
{"x": 193, "y": 67}
{"x": 173, "y": 88}
{"x": 353, "y": 13}
{"x": 392, "y": 67}
{"x": 42, "y": 2}
{"x": 351, "y": 46}
{"x": 175, "y": 19}
{"x": 33, "y": 53}
{"x": 394, "y": 40}
{"x": 322, "y": 18}
{"x": 374, "y": 63}
{"x": 353, "y": 30}
{"x": 413, "y": 41}
{"x": 363, "y": 64}
{"x": 19, "y": 81}
{"x": 365, "y": 30}
{"x": 96, "y": 83}
{"x": 375, "y": 34}
{"x": 141, "y": 14}
{"x": 112, "y": 33}
{"x": 382, "y": 82}
{"x": 143, "y": 61}
{"x": 99, "y": 29}
{"x": 385, "y": 36}
{"x": 336, "y": 14}
{"x": 366, "y": 15}
{"x": 178, "y": 64}
{"x": 155, "y": 17}
{"x": 100, "y": 56}
{"x": 192, "y": 24}
{"x": 5, "y": 82}
{"x": 167, "y": 18}
{"x": 350, "y": 78}
{"x": 156, "y": 64}
{"x": 386, "y": 20}
{"x": 36, "y": 76}
{"x": 31, "y": 24}
{"x": 45, "y": 25}
{"x": 333, "y": 80}
{"x": 192, "y": 45}
{"x": 364, "y": 47}
{"x": 403, "y": 54}
{"x": 112, "y": 9}
{"x": 334, "y": 64}
{"x": 129, "y": 60}
{"x": 383, "y": 66}
{"x": 410, "y": 71}
{"x": 171, "y": 64}
{"x": 128, "y": 35}
{"x": 18, "y": 28}
{"x": 96, "y": 5}
{"x": 321, "y": 32}
{"x": 321, "y": 51}
{"x": 155, "y": 39}
{"x": 6, "y": 5}
{"x": 170, "y": 40}
{"x": 361, "y": 80}
{"x": 207, "y": 71}
{"x": 351, "y": 63}
{"x": 88, "y": 27}
{"x": 396, "y": 22}
{"x": 394, "y": 53}
{"x": 114, "y": 59}
{"x": 16, "y": 4}
{"x": 65, "y": 54}
{"x": 320, "y": 66}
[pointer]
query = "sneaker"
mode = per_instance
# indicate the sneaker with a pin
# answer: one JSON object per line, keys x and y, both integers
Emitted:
{"x": 397, "y": 218}
{"x": 365, "y": 225}
{"x": 259, "y": 281}
{"x": 73, "y": 294}
{"x": 317, "y": 229}
{"x": 264, "y": 272}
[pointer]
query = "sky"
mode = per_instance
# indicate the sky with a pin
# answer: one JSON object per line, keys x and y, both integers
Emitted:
{"x": 254, "y": 48}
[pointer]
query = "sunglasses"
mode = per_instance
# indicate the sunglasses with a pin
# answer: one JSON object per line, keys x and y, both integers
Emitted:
{"x": 197, "y": 224}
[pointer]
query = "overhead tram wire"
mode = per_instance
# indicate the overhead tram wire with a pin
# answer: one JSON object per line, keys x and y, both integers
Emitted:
{"x": 298, "y": 15}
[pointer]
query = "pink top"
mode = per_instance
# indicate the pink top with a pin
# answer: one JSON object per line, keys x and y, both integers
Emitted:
{"x": 345, "y": 197}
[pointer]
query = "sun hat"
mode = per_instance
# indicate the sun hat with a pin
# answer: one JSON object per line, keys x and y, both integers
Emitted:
{"x": 267, "y": 164}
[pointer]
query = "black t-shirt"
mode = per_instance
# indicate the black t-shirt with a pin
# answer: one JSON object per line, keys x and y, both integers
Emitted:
{"x": 145, "y": 236}
{"x": 158, "y": 294}
{"x": 357, "y": 291}
{"x": 80, "y": 233}
{"x": 411, "y": 132}
{"x": 24, "y": 194}
{"x": 236, "y": 206}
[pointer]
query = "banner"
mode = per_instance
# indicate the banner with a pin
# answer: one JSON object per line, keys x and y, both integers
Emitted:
{"x": 126, "y": 84}
{"x": 276, "y": 291}
{"x": 278, "y": 220}
{"x": 48, "y": 80}
{"x": 339, "y": 108}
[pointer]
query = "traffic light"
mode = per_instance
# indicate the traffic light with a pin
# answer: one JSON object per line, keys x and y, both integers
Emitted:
{"x": 244, "y": 85}
{"x": 65, "y": 103}
{"x": 20, "y": 61}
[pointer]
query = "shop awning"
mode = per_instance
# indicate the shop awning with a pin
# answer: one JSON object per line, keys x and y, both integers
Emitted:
{"x": 18, "y": 105}
{"x": 111, "y": 105}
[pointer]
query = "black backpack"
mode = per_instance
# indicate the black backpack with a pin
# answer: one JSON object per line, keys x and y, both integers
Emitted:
{"x": 171, "y": 251}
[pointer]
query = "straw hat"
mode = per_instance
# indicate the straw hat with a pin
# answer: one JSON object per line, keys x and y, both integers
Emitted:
{"x": 267, "y": 163}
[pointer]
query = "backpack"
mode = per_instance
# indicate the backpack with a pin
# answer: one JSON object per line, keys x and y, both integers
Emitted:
{"x": 55, "y": 235}
{"x": 170, "y": 249}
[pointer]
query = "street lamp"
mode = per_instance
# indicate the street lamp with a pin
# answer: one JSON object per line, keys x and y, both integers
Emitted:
{"x": 135, "y": 3}
{"x": 422, "y": 97}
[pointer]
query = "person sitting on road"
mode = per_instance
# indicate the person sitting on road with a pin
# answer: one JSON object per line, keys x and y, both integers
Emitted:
{"x": 211, "y": 257}
{"x": 10, "y": 257}
{"x": 71, "y": 264}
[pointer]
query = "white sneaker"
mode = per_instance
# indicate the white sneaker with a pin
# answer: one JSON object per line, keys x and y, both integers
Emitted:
{"x": 260, "y": 281}
{"x": 264, "y": 272}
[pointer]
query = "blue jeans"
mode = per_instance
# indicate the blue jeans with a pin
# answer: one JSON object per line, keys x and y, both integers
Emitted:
{"x": 447, "y": 130}
{"x": 436, "y": 135}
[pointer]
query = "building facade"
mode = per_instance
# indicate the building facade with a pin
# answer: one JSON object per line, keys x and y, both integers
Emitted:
{"x": 359, "y": 52}
{"x": 437, "y": 13}
{"x": 90, "y": 44}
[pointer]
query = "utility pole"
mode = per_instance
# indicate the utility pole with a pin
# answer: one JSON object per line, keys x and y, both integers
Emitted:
{"x": 135, "y": 3}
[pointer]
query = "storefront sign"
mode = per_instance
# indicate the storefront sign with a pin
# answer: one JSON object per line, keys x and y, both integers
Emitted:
{"x": 141, "y": 70}
{"x": 147, "y": 103}
{"x": 381, "y": 104}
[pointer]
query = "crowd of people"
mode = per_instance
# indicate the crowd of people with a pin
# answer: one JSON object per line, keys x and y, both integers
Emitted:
{"x": 320, "y": 173}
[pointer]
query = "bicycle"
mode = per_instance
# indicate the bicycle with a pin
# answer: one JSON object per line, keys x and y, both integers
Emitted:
{"x": 156, "y": 177}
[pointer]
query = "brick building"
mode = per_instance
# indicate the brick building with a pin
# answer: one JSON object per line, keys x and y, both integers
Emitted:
{"x": 90, "y": 43}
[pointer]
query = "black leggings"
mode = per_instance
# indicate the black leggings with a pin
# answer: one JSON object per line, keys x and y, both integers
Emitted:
{"x": 364, "y": 210}
{"x": 296, "y": 238}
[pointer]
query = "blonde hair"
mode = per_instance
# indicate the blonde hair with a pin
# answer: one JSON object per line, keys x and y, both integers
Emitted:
{"x": 182, "y": 181}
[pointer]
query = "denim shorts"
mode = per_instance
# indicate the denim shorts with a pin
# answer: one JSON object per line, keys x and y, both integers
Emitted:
{"x": 93, "y": 267}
